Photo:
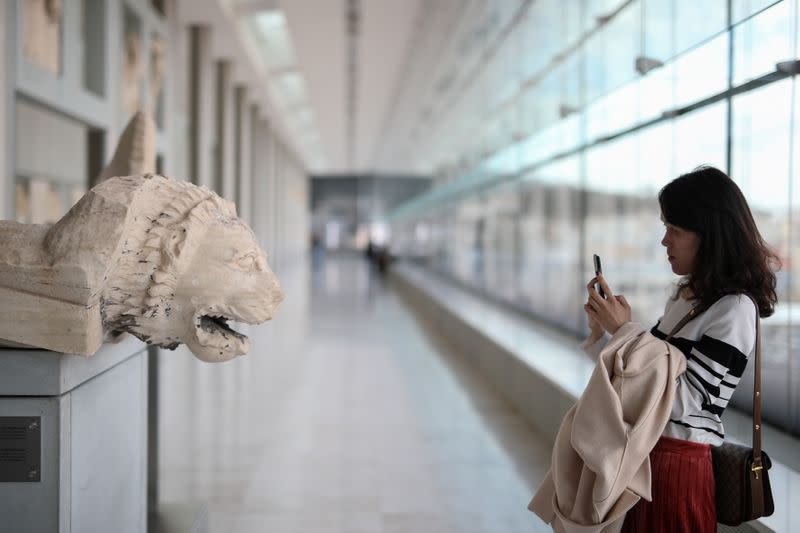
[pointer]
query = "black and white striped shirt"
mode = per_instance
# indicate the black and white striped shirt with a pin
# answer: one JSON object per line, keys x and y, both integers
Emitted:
{"x": 717, "y": 344}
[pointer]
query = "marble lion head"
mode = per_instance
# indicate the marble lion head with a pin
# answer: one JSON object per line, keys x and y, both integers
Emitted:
{"x": 177, "y": 266}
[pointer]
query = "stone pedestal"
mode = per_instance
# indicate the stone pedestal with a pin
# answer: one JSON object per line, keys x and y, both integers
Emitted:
{"x": 73, "y": 440}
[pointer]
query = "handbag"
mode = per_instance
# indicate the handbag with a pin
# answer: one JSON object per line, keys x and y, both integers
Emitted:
{"x": 741, "y": 473}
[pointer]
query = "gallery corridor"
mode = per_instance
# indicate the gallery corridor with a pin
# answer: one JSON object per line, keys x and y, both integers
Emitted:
{"x": 349, "y": 415}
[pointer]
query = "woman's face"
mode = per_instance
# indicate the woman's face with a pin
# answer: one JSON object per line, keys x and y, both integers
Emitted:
{"x": 682, "y": 246}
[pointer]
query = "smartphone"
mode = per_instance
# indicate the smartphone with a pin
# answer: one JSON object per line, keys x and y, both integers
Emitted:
{"x": 598, "y": 269}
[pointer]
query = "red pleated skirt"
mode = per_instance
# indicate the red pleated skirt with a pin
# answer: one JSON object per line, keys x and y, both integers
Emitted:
{"x": 682, "y": 490}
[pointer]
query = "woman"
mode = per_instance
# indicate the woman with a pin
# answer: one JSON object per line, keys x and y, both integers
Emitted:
{"x": 713, "y": 242}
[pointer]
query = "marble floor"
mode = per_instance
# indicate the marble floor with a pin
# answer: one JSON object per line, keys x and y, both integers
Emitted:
{"x": 349, "y": 416}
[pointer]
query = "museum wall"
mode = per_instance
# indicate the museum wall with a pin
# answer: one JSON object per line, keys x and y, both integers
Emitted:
{"x": 74, "y": 76}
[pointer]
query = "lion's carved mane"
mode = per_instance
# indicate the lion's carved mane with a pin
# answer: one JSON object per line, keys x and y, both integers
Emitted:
{"x": 128, "y": 253}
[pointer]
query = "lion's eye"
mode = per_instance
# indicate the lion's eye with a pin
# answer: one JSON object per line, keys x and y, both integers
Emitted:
{"x": 246, "y": 263}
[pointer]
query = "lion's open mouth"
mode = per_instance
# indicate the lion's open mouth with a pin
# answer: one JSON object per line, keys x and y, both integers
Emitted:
{"x": 219, "y": 325}
{"x": 214, "y": 332}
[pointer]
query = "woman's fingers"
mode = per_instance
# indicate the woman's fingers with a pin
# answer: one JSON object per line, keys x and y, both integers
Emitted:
{"x": 594, "y": 296}
{"x": 590, "y": 285}
{"x": 610, "y": 312}
{"x": 604, "y": 286}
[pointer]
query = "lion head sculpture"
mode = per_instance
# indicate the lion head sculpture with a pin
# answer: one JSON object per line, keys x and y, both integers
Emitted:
{"x": 164, "y": 260}
{"x": 201, "y": 266}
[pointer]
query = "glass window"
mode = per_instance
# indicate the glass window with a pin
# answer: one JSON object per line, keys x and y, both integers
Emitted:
{"x": 702, "y": 71}
{"x": 761, "y": 152}
{"x": 761, "y": 42}
{"x": 655, "y": 156}
{"x": 571, "y": 26}
{"x": 545, "y": 100}
{"x": 761, "y": 164}
{"x": 469, "y": 239}
{"x": 504, "y": 70}
{"x": 656, "y": 92}
{"x": 647, "y": 283}
{"x": 503, "y": 163}
{"x": 610, "y": 174}
{"x": 549, "y": 227}
{"x": 611, "y": 53}
{"x": 570, "y": 72}
{"x": 698, "y": 20}
{"x": 564, "y": 171}
{"x": 522, "y": 240}
{"x": 700, "y": 138}
{"x": 741, "y": 9}
{"x": 658, "y": 19}
{"x": 613, "y": 113}
{"x": 558, "y": 138}
{"x": 543, "y": 37}
{"x": 502, "y": 240}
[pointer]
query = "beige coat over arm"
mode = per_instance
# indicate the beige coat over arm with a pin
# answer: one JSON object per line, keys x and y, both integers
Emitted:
{"x": 600, "y": 464}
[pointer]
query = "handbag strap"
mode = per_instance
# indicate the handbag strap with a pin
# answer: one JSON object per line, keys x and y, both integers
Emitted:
{"x": 757, "y": 396}
{"x": 696, "y": 310}
{"x": 693, "y": 312}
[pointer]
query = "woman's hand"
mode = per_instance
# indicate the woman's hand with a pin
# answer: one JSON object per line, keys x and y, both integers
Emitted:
{"x": 595, "y": 329}
{"x": 611, "y": 312}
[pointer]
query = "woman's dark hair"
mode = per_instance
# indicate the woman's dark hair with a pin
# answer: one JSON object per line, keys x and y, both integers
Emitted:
{"x": 733, "y": 257}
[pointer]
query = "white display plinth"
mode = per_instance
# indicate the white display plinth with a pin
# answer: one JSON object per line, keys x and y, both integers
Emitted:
{"x": 93, "y": 439}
